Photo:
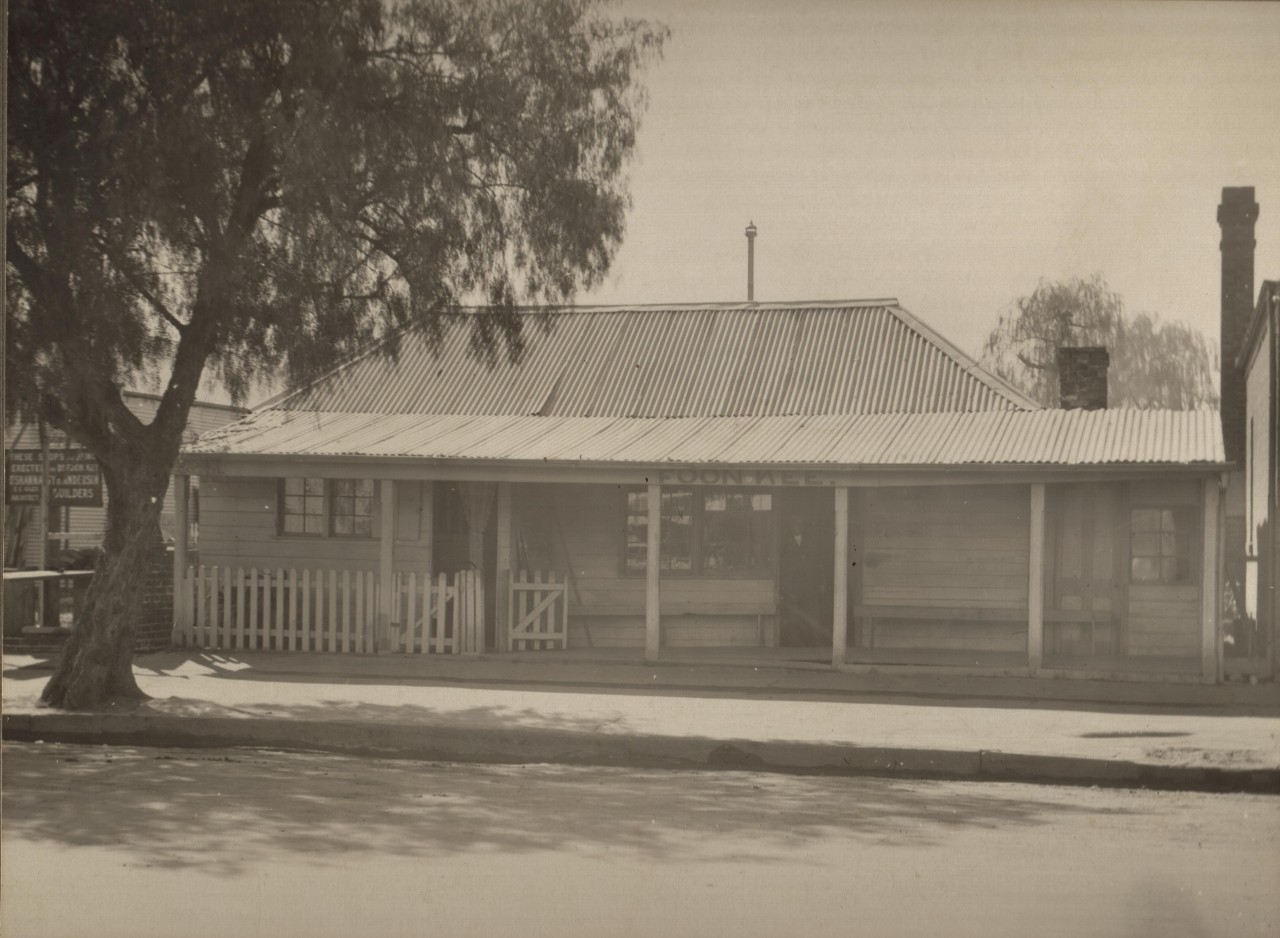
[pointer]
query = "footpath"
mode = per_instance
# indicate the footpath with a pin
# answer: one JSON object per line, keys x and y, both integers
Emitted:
{"x": 781, "y": 719}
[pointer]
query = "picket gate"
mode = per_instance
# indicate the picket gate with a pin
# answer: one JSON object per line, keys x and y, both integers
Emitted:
{"x": 539, "y": 612}
{"x": 434, "y": 616}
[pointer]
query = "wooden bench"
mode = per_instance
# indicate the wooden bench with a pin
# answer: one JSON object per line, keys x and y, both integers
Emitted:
{"x": 867, "y": 616}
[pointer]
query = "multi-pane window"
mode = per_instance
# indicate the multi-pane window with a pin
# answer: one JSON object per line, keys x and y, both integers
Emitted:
{"x": 302, "y": 511}
{"x": 1160, "y": 545}
{"x": 316, "y": 507}
{"x": 351, "y": 509}
{"x": 735, "y": 531}
{"x": 704, "y": 531}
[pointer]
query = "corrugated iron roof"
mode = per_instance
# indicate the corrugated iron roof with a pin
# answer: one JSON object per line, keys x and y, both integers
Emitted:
{"x": 1000, "y": 438}
{"x": 719, "y": 360}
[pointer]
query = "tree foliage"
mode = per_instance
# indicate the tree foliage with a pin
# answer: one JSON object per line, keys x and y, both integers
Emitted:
{"x": 1153, "y": 363}
{"x": 261, "y": 188}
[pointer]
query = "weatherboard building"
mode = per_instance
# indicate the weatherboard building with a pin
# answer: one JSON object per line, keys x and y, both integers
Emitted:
{"x": 811, "y": 482}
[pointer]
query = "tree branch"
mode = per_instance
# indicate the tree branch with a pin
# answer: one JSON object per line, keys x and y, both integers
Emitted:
{"x": 1040, "y": 366}
{"x": 139, "y": 286}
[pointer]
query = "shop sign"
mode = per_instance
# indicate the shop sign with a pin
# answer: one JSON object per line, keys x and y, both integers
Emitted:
{"x": 692, "y": 475}
{"x": 75, "y": 477}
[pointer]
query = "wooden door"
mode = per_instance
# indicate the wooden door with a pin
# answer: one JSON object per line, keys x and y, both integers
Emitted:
{"x": 806, "y": 573}
{"x": 1084, "y": 615}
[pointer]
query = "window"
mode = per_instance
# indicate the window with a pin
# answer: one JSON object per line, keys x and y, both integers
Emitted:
{"x": 319, "y": 507}
{"x": 713, "y": 532}
{"x": 1160, "y": 545}
{"x": 351, "y": 511}
{"x": 302, "y": 511}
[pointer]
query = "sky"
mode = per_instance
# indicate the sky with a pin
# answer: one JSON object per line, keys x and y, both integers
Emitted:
{"x": 951, "y": 154}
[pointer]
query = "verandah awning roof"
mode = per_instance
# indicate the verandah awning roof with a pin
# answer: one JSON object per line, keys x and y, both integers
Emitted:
{"x": 1054, "y": 438}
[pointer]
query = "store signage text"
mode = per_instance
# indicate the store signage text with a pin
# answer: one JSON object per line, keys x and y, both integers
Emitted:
{"x": 759, "y": 477}
{"x": 75, "y": 477}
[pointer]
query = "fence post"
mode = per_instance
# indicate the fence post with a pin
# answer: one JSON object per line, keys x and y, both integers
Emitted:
{"x": 386, "y": 562}
{"x": 181, "y": 623}
{"x": 502, "y": 578}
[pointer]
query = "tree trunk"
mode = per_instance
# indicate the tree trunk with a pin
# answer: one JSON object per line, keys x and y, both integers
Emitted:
{"x": 96, "y": 664}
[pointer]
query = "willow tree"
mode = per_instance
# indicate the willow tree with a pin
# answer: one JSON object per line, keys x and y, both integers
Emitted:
{"x": 243, "y": 188}
{"x": 1153, "y": 363}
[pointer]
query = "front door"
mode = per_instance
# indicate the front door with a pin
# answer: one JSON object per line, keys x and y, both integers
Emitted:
{"x": 806, "y": 554}
{"x": 1083, "y": 618}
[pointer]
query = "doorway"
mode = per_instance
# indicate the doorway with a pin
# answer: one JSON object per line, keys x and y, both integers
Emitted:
{"x": 1086, "y": 593}
{"x": 806, "y": 574}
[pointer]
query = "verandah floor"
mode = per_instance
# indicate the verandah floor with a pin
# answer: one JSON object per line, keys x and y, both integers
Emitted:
{"x": 820, "y": 657}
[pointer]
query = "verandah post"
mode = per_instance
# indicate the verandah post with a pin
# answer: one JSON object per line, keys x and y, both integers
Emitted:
{"x": 1210, "y": 590}
{"x": 1035, "y": 580}
{"x": 652, "y": 595}
{"x": 502, "y": 580}
{"x": 840, "y": 589}
{"x": 386, "y": 563}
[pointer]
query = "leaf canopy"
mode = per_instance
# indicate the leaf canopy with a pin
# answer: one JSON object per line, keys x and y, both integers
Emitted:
{"x": 264, "y": 188}
{"x": 1153, "y": 363}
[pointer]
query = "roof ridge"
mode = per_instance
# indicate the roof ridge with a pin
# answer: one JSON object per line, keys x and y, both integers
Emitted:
{"x": 326, "y": 389}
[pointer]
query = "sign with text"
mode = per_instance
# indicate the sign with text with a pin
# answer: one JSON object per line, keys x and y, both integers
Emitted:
{"x": 75, "y": 478}
{"x": 758, "y": 477}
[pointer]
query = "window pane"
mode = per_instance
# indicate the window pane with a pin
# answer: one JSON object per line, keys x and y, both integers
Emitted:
{"x": 1168, "y": 545}
{"x": 762, "y": 502}
{"x": 1169, "y": 570}
{"x": 677, "y": 530}
{"x": 1144, "y": 569}
{"x": 342, "y": 525}
{"x": 678, "y": 507}
{"x": 293, "y": 486}
{"x": 314, "y": 524}
{"x": 293, "y": 505}
{"x": 364, "y": 487}
{"x": 364, "y": 506}
{"x": 737, "y": 537}
{"x": 1146, "y": 545}
{"x": 363, "y": 526}
{"x": 1145, "y": 519}
{"x": 342, "y": 487}
{"x": 637, "y": 531}
{"x": 315, "y": 486}
{"x": 677, "y": 545}
{"x": 293, "y": 524}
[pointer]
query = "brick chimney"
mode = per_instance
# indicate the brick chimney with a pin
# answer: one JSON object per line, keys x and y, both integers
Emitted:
{"x": 1082, "y": 378}
{"x": 1236, "y": 217}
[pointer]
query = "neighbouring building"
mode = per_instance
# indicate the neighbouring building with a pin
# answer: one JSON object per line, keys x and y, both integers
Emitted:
{"x": 1259, "y": 365}
{"x": 825, "y": 482}
{"x": 64, "y": 528}
{"x": 55, "y": 519}
{"x": 1248, "y": 408}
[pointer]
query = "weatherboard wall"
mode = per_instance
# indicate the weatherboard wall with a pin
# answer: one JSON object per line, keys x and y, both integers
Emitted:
{"x": 960, "y": 549}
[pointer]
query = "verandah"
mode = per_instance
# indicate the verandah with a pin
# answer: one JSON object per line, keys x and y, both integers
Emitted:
{"x": 854, "y": 618}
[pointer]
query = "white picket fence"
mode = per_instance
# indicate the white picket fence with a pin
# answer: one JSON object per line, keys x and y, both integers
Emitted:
{"x": 327, "y": 610}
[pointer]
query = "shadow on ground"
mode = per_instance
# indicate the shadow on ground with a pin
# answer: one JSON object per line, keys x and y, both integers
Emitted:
{"x": 224, "y": 811}
{"x": 669, "y": 680}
